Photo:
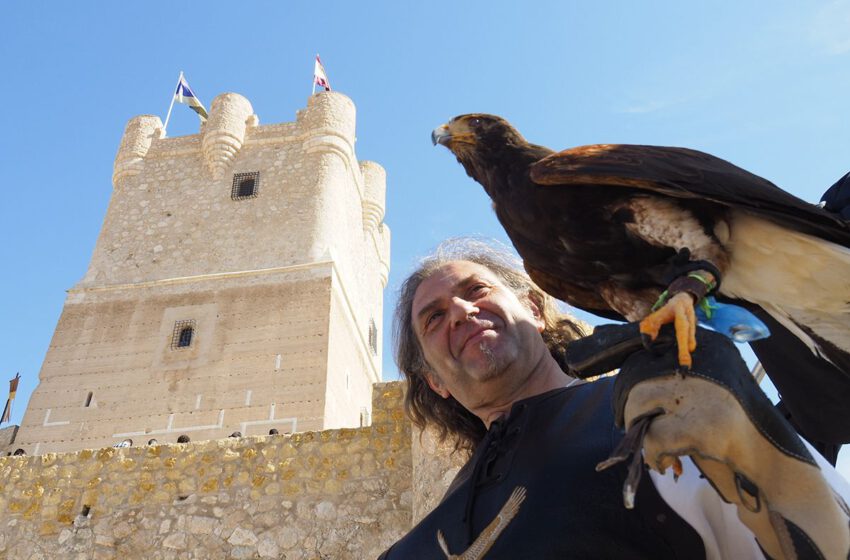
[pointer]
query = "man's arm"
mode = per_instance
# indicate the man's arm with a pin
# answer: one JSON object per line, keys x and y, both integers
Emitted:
{"x": 716, "y": 414}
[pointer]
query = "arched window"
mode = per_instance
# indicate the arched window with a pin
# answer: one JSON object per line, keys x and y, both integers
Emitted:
{"x": 185, "y": 337}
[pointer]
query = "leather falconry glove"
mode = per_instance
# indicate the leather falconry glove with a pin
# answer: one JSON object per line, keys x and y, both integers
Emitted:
{"x": 716, "y": 414}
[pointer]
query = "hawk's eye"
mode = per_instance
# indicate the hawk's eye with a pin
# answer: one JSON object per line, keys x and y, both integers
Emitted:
{"x": 476, "y": 122}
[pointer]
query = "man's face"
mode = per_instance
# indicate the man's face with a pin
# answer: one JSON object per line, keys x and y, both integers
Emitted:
{"x": 478, "y": 338}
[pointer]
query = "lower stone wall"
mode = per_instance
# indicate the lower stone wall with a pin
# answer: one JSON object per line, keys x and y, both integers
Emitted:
{"x": 344, "y": 494}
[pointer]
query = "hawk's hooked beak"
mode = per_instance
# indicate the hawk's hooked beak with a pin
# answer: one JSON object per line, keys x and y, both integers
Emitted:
{"x": 441, "y": 135}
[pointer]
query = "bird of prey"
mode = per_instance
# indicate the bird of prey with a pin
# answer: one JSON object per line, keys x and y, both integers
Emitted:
{"x": 617, "y": 229}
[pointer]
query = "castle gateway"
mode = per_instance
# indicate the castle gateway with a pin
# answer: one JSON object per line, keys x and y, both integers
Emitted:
{"x": 236, "y": 286}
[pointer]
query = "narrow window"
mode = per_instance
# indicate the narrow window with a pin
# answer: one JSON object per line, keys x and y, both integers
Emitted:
{"x": 245, "y": 185}
{"x": 185, "y": 337}
{"x": 88, "y": 399}
{"x": 183, "y": 334}
{"x": 373, "y": 337}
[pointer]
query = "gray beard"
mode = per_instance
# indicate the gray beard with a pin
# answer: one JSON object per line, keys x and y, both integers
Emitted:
{"x": 493, "y": 366}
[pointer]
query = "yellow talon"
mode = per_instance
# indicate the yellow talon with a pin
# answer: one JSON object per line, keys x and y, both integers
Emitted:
{"x": 678, "y": 310}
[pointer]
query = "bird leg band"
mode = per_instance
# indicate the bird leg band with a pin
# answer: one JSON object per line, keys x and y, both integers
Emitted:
{"x": 717, "y": 415}
{"x": 697, "y": 284}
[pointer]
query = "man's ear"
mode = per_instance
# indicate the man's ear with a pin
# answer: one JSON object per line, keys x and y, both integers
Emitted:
{"x": 535, "y": 306}
{"x": 437, "y": 385}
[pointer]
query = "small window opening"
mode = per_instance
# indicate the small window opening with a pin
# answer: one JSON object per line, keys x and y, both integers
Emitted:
{"x": 88, "y": 399}
{"x": 246, "y": 188}
{"x": 85, "y": 511}
{"x": 373, "y": 337}
{"x": 183, "y": 334}
{"x": 183, "y": 439}
{"x": 245, "y": 185}
{"x": 185, "y": 337}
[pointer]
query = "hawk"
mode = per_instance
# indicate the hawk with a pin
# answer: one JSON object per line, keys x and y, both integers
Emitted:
{"x": 620, "y": 230}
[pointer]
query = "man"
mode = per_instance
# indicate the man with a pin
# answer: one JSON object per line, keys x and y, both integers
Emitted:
{"x": 482, "y": 351}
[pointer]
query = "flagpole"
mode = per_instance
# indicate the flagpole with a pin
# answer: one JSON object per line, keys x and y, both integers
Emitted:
{"x": 7, "y": 410}
{"x": 170, "y": 107}
{"x": 17, "y": 379}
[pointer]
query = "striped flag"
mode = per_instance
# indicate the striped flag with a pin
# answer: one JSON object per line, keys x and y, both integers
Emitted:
{"x": 319, "y": 76}
{"x": 13, "y": 388}
{"x": 186, "y": 96}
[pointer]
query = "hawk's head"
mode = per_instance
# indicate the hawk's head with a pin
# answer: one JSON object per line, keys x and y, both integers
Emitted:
{"x": 478, "y": 140}
{"x": 476, "y": 132}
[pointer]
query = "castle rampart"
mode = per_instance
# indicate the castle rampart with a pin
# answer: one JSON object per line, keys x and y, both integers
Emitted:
{"x": 344, "y": 494}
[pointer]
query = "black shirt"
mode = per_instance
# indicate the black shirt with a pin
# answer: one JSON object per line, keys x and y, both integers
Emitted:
{"x": 550, "y": 444}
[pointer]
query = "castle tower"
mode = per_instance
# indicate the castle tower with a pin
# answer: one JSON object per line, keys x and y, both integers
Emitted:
{"x": 236, "y": 285}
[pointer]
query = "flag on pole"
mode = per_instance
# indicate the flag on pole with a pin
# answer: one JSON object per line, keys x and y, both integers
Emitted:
{"x": 13, "y": 388}
{"x": 319, "y": 76}
{"x": 186, "y": 96}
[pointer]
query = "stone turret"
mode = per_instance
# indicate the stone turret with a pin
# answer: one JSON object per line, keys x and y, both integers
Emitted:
{"x": 375, "y": 187}
{"x": 330, "y": 117}
{"x": 138, "y": 135}
{"x": 328, "y": 143}
{"x": 384, "y": 254}
{"x": 224, "y": 131}
{"x": 374, "y": 206}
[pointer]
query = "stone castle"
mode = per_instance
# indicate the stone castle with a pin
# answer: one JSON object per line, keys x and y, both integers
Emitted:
{"x": 236, "y": 286}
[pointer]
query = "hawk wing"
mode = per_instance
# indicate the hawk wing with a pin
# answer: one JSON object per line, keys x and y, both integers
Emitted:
{"x": 687, "y": 174}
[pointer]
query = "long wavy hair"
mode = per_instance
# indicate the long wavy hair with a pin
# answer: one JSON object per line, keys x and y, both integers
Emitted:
{"x": 423, "y": 405}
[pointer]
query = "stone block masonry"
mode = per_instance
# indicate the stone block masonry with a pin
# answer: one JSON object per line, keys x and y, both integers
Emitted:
{"x": 341, "y": 494}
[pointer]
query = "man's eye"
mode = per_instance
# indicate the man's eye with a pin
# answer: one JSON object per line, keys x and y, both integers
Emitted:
{"x": 477, "y": 289}
{"x": 433, "y": 318}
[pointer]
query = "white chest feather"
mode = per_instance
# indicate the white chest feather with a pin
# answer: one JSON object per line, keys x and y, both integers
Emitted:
{"x": 662, "y": 222}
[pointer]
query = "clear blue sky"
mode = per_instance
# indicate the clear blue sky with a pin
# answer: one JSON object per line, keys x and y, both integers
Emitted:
{"x": 763, "y": 85}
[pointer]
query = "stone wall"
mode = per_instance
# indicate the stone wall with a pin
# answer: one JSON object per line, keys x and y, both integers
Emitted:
{"x": 342, "y": 494}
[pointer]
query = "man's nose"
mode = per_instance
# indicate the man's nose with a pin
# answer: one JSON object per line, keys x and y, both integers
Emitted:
{"x": 461, "y": 310}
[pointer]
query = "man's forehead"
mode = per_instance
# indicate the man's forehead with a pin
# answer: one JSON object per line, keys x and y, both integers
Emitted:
{"x": 448, "y": 276}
